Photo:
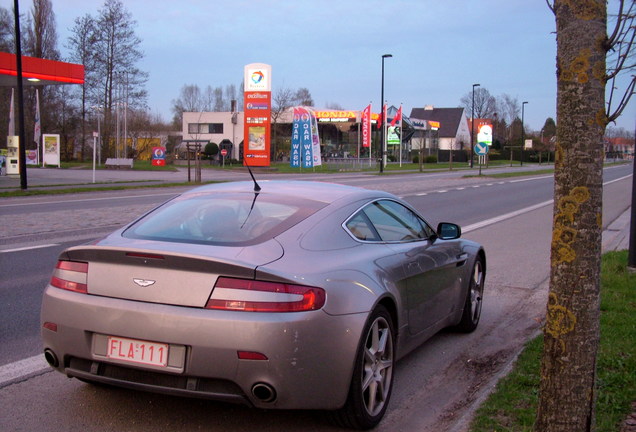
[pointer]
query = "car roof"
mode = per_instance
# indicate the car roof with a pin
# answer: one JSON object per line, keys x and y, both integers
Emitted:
{"x": 317, "y": 191}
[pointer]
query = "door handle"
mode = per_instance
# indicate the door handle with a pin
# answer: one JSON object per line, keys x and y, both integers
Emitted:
{"x": 461, "y": 259}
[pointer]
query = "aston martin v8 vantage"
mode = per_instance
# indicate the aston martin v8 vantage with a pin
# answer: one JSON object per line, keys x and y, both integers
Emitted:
{"x": 293, "y": 295}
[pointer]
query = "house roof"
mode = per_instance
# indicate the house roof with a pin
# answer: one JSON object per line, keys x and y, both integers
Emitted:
{"x": 449, "y": 119}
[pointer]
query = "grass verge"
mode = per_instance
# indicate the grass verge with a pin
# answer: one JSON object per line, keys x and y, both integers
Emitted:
{"x": 512, "y": 406}
{"x": 75, "y": 189}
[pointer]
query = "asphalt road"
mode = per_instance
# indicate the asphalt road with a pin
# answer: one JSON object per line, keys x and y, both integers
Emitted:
{"x": 436, "y": 386}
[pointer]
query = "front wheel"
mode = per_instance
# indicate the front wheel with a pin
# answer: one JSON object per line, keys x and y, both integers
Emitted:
{"x": 474, "y": 298}
{"x": 372, "y": 380}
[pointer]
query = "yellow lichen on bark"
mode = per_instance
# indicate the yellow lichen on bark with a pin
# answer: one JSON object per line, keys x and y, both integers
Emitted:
{"x": 601, "y": 118}
{"x": 560, "y": 321}
{"x": 586, "y": 9}
{"x": 563, "y": 235}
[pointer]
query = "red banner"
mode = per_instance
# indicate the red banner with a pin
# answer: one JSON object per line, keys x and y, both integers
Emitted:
{"x": 366, "y": 126}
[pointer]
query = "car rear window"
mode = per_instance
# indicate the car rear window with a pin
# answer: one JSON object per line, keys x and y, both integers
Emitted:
{"x": 229, "y": 219}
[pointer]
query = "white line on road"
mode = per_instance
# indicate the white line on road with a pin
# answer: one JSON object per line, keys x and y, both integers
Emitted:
{"x": 90, "y": 199}
{"x": 22, "y": 368}
{"x": 505, "y": 216}
{"x": 29, "y": 248}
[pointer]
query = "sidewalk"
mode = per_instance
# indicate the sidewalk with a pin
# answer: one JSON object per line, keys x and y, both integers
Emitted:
{"x": 616, "y": 235}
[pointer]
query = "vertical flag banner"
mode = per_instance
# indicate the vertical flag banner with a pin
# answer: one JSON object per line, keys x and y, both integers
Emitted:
{"x": 398, "y": 117}
{"x": 305, "y": 143}
{"x": 366, "y": 127}
{"x": 294, "y": 157}
{"x": 258, "y": 114}
{"x": 316, "y": 160}
{"x": 11, "y": 117}
{"x": 37, "y": 129}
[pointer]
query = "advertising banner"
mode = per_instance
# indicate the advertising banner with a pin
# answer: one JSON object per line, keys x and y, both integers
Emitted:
{"x": 159, "y": 156}
{"x": 51, "y": 153}
{"x": 305, "y": 143}
{"x": 484, "y": 134}
{"x": 316, "y": 159}
{"x": 366, "y": 126}
{"x": 258, "y": 113}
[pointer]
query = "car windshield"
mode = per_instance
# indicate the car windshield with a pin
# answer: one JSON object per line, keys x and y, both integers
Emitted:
{"x": 234, "y": 219}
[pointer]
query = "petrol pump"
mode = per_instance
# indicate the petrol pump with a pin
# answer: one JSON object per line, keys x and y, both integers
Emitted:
{"x": 13, "y": 158}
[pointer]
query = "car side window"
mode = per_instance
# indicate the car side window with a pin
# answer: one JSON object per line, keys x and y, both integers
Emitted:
{"x": 361, "y": 228}
{"x": 395, "y": 222}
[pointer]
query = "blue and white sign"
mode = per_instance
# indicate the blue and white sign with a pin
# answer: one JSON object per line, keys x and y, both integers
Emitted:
{"x": 481, "y": 149}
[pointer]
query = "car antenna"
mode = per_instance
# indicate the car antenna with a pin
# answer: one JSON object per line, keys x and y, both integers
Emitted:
{"x": 257, "y": 188}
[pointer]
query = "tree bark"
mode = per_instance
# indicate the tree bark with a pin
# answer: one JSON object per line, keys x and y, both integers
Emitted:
{"x": 571, "y": 333}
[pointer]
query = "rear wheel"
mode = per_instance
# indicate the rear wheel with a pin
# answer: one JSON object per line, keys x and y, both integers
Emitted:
{"x": 474, "y": 297}
{"x": 372, "y": 379}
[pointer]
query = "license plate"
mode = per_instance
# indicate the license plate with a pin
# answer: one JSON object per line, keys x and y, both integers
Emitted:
{"x": 137, "y": 351}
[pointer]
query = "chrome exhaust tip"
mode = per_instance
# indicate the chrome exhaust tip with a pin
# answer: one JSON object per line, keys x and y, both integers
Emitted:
{"x": 264, "y": 392}
{"x": 51, "y": 358}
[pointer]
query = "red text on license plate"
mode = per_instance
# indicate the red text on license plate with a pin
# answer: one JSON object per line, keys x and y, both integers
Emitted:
{"x": 138, "y": 351}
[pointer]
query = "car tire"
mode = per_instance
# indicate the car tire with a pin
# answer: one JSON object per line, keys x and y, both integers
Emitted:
{"x": 372, "y": 380}
{"x": 474, "y": 299}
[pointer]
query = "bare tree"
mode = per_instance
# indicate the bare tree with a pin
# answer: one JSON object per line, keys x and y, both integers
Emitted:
{"x": 6, "y": 31}
{"x": 41, "y": 37}
{"x": 218, "y": 99}
{"x": 485, "y": 103}
{"x": 282, "y": 100}
{"x": 303, "y": 97}
{"x": 117, "y": 51}
{"x": 81, "y": 45}
{"x": 571, "y": 332}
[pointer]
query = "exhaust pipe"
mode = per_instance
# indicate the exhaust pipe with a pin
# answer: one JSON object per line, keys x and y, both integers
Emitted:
{"x": 264, "y": 392}
{"x": 51, "y": 358}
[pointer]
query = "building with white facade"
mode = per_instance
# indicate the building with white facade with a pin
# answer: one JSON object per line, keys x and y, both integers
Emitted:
{"x": 205, "y": 127}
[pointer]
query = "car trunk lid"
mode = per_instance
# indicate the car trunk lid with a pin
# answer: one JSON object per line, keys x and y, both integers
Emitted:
{"x": 156, "y": 276}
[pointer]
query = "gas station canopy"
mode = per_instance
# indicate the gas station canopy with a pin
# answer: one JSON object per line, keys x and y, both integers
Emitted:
{"x": 39, "y": 72}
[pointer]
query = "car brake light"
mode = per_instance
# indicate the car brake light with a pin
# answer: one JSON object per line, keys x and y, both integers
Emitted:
{"x": 259, "y": 296}
{"x": 71, "y": 276}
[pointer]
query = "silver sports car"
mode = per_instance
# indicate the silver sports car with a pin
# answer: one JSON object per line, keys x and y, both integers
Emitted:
{"x": 294, "y": 295}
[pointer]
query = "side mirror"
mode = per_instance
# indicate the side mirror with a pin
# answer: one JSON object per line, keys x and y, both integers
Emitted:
{"x": 448, "y": 231}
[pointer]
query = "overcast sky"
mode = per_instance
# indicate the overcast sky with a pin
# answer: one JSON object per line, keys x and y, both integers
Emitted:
{"x": 440, "y": 49}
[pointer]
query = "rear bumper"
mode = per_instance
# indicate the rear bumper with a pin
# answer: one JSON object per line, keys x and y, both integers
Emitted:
{"x": 309, "y": 362}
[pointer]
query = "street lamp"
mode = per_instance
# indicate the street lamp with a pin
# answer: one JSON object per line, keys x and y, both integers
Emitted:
{"x": 383, "y": 144}
{"x": 522, "y": 131}
{"x": 472, "y": 128}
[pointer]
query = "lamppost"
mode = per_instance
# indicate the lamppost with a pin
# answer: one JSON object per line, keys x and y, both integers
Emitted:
{"x": 383, "y": 144}
{"x": 472, "y": 128}
{"x": 522, "y": 131}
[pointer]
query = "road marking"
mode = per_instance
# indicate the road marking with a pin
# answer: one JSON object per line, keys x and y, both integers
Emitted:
{"x": 89, "y": 199}
{"x": 505, "y": 216}
{"x": 16, "y": 370}
{"x": 530, "y": 179}
{"x": 491, "y": 221}
{"x": 29, "y": 248}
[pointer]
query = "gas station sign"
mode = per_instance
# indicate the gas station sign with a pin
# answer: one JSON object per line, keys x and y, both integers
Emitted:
{"x": 258, "y": 113}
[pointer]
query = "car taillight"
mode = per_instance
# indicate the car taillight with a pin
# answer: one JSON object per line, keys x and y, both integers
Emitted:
{"x": 259, "y": 296}
{"x": 71, "y": 276}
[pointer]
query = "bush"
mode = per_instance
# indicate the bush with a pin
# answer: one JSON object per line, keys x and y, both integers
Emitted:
{"x": 430, "y": 159}
{"x": 211, "y": 149}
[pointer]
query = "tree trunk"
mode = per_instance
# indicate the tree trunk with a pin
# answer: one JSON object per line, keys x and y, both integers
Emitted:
{"x": 571, "y": 333}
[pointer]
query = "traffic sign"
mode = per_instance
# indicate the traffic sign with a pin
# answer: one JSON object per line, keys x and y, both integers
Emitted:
{"x": 224, "y": 152}
{"x": 481, "y": 149}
